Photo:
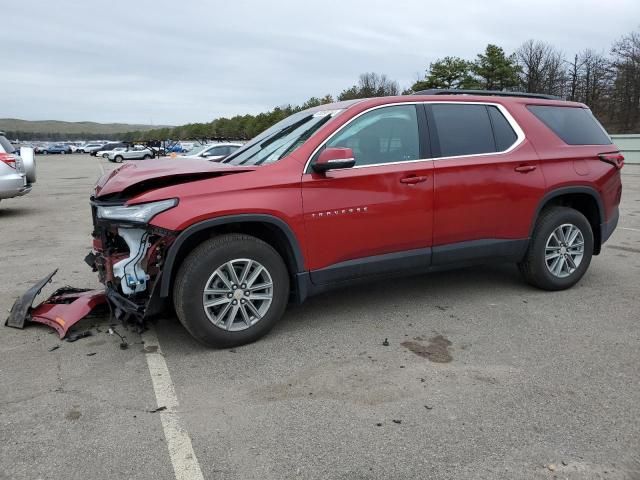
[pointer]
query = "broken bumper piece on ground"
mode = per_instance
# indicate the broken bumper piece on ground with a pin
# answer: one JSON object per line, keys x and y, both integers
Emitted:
{"x": 62, "y": 310}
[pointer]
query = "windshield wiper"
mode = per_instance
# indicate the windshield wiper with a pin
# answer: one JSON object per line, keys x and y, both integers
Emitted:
{"x": 284, "y": 131}
{"x": 304, "y": 137}
{"x": 266, "y": 142}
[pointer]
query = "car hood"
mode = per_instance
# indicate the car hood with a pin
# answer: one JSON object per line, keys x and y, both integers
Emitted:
{"x": 138, "y": 177}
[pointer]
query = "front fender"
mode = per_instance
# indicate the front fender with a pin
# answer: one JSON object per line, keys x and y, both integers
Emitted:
{"x": 172, "y": 255}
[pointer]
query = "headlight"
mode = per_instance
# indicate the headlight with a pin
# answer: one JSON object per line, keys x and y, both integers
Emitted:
{"x": 141, "y": 213}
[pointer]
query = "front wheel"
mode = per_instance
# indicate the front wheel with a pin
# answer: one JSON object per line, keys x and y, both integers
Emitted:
{"x": 560, "y": 249}
{"x": 147, "y": 157}
{"x": 231, "y": 290}
{"x": 118, "y": 159}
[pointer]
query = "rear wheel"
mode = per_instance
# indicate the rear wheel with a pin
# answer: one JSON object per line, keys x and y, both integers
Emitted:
{"x": 231, "y": 290}
{"x": 560, "y": 250}
{"x": 118, "y": 159}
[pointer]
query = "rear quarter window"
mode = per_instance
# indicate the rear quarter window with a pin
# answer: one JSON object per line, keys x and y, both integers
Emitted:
{"x": 574, "y": 125}
{"x": 502, "y": 130}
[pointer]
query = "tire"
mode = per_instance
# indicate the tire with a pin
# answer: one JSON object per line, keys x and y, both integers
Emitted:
{"x": 29, "y": 161}
{"x": 146, "y": 157}
{"x": 200, "y": 269}
{"x": 537, "y": 269}
{"x": 118, "y": 159}
{"x": 62, "y": 152}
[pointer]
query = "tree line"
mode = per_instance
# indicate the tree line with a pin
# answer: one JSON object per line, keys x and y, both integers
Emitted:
{"x": 608, "y": 82}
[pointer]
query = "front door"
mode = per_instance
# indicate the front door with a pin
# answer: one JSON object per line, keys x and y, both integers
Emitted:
{"x": 356, "y": 217}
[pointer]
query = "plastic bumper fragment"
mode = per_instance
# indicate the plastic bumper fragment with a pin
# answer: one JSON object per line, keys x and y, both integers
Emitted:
{"x": 62, "y": 310}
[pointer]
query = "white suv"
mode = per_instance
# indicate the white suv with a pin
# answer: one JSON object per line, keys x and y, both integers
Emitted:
{"x": 138, "y": 152}
{"x": 17, "y": 174}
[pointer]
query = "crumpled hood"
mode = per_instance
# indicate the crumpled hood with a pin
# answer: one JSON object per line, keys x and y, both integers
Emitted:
{"x": 133, "y": 178}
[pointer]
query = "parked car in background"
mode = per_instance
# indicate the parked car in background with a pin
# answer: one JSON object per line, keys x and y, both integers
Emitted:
{"x": 213, "y": 152}
{"x": 107, "y": 148}
{"x": 59, "y": 148}
{"x": 90, "y": 147}
{"x": 138, "y": 152}
{"x": 175, "y": 148}
{"x": 73, "y": 147}
{"x": 17, "y": 174}
{"x": 105, "y": 153}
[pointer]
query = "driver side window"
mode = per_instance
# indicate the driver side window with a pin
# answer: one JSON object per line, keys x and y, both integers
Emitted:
{"x": 384, "y": 135}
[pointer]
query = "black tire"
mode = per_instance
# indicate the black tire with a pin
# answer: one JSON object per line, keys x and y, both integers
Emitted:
{"x": 147, "y": 157}
{"x": 200, "y": 264}
{"x": 534, "y": 267}
{"x": 118, "y": 159}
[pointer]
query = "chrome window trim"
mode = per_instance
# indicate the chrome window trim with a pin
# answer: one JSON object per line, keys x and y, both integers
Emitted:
{"x": 520, "y": 136}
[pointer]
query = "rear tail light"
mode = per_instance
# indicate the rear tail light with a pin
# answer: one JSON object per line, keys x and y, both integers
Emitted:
{"x": 616, "y": 159}
{"x": 8, "y": 159}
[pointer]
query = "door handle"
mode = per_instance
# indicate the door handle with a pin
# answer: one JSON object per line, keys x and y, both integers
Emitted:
{"x": 413, "y": 180}
{"x": 525, "y": 168}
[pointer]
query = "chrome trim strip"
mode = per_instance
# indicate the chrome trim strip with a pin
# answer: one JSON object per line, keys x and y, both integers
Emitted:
{"x": 520, "y": 136}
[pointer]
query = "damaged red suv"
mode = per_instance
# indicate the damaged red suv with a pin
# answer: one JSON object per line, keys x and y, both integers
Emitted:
{"x": 357, "y": 190}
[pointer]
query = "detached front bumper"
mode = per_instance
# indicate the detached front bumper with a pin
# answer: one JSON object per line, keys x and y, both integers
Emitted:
{"x": 61, "y": 311}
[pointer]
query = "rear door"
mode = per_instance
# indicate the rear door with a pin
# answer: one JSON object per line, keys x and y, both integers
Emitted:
{"x": 488, "y": 181}
{"x": 381, "y": 206}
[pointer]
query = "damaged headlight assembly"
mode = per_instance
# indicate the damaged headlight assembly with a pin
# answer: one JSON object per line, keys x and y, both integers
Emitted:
{"x": 134, "y": 232}
{"x": 140, "y": 213}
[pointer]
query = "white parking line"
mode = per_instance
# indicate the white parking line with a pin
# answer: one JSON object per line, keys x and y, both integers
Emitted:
{"x": 632, "y": 229}
{"x": 183, "y": 458}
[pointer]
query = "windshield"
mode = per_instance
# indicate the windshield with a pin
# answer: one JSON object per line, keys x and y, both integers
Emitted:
{"x": 196, "y": 150}
{"x": 281, "y": 139}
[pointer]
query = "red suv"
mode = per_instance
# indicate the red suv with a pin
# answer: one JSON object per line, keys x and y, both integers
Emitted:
{"x": 357, "y": 190}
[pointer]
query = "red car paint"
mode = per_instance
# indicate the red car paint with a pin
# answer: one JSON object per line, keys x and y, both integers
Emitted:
{"x": 62, "y": 312}
{"x": 373, "y": 210}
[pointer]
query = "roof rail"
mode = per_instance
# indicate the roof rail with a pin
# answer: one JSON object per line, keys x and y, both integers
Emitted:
{"x": 497, "y": 93}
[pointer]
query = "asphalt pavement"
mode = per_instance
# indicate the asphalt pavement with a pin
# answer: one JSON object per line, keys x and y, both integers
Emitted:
{"x": 481, "y": 376}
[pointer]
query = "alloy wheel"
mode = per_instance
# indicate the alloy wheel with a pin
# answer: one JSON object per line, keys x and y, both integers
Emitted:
{"x": 564, "y": 250}
{"x": 238, "y": 294}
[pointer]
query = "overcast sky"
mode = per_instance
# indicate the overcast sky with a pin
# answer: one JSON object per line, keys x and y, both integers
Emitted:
{"x": 174, "y": 62}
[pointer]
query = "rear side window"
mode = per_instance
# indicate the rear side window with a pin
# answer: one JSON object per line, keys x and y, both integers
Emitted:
{"x": 463, "y": 129}
{"x": 575, "y": 126}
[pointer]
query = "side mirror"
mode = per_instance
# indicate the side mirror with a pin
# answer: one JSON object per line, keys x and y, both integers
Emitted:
{"x": 333, "y": 158}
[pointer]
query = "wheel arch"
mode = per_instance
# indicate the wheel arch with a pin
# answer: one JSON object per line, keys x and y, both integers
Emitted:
{"x": 585, "y": 199}
{"x": 268, "y": 228}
